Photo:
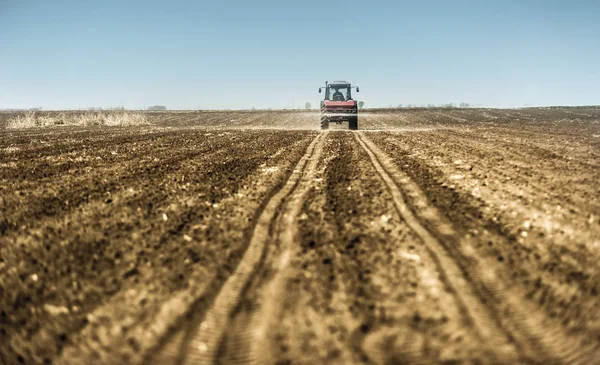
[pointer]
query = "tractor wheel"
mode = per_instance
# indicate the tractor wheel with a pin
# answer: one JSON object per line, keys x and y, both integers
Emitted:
{"x": 324, "y": 123}
{"x": 353, "y": 123}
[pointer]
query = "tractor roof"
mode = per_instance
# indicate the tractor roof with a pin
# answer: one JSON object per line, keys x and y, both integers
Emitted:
{"x": 338, "y": 83}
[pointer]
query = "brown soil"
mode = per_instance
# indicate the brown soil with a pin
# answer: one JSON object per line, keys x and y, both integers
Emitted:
{"x": 432, "y": 236}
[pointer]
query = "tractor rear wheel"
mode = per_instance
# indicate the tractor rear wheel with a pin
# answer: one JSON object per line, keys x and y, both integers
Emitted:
{"x": 353, "y": 123}
{"x": 324, "y": 122}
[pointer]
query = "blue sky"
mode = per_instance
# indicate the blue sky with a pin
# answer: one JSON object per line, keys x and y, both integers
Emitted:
{"x": 275, "y": 54}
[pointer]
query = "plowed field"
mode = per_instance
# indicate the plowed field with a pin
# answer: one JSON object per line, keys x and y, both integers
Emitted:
{"x": 429, "y": 236}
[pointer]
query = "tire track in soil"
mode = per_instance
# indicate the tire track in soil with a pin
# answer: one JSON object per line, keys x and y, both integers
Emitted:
{"x": 201, "y": 338}
{"x": 353, "y": 282}
{"x": 363, "y": 287}
{"x": 248, "y": 340}
{"x": 495, "y": 307}
{"x": 486, "y": 325}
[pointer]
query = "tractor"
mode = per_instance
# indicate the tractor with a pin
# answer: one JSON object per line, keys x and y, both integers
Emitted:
{"x": 338, "y": 105}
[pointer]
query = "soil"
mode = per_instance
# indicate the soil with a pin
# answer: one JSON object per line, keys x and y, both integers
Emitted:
{"x": 429, "y": 236}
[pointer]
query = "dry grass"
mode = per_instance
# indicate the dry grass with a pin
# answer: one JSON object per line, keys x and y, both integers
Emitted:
{"x": 89, "y": 118}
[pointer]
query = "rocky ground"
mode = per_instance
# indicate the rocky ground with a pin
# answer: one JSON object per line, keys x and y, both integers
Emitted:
{"x": 428, "y": 236}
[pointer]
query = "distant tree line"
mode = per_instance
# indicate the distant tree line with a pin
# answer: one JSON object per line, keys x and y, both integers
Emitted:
{"x": 157, "y": 107}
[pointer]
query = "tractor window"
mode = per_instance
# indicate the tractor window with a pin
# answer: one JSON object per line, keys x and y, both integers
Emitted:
{"x": 339, "y": 93}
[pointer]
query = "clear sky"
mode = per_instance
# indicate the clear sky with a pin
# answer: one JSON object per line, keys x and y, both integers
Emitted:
{"x": 275, "y": 54}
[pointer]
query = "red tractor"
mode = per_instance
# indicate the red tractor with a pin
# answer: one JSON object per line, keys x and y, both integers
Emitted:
{"x": 338, "y": 105}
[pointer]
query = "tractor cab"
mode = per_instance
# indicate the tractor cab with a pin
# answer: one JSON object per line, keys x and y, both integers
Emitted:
{"x": 338, "y": 92}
